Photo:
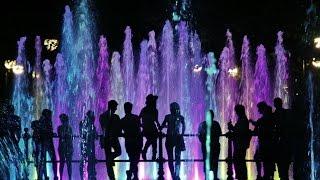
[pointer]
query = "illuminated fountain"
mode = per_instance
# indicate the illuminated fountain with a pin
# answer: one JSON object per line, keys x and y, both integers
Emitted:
{"x": 85, "y": 76}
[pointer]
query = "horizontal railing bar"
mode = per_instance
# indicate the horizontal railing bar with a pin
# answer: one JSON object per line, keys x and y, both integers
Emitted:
{"x": 163, "y": 135}
{"x": 165, "y": 160}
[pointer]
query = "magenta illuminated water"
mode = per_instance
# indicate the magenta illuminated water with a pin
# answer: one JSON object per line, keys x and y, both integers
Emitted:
{"x": 85, "y": 76}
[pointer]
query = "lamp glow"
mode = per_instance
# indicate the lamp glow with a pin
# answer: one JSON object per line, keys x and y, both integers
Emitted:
{"x": 18, "y": 69}
{"x": 233, "y": 72}
{"x": 9, "y": 64}
{"x": 317, "y": 42}
{"x": 197, "y": 68}
{"x": 51, "y": 44}
{"x": 316, "y": 63}
{"x": 35, "y": 75}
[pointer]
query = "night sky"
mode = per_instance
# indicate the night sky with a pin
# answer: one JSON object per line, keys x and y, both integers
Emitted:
{"x": 260, "y": 20}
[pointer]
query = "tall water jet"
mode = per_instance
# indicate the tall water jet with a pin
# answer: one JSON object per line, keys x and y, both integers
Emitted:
{"x": 143, "y": 77}
{"x": 60, "y": 97}
{"x": 212, "y": 74}
{"x": 184, "y": 73}
{"x": 128, "y": 65}
{"x": 281, "y": 87}
{"x": 21, "y": 98}
{"x": 313, "y": 164}
{"x": 246, "y": 83}
{"x": 47, "y": 69}
{"x": 167, "y": 67}
{"x": 227, "y": 83}
{"x": 197, "y": 94}
{"x": 84, "y": 49}
{"x": 262, "y": 84}
{"x": 154, "y": 63}
{"x": 117, "y": 83}
{"x": 37, "y": 76}
{"x": 67, "y": 51}
{"x": 102, "y": 76}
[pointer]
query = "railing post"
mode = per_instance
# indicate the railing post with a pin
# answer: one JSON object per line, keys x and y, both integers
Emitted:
{"x": 161, "y": 159}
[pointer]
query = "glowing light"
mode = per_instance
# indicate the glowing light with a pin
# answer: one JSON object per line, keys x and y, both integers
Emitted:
{"x": 18, "y": 69}
{"x": 35, "y": 75}
{"x": 317, "y": 42}
{"x": 197, "y": 68}
{"x": 9, "y": 64}
{"x": 233, "y": 72}
{"x": 316, "y": 63}
{"x": 51, "y": 44}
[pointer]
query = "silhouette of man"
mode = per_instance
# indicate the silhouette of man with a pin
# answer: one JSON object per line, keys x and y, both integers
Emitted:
{"x": 214, "y": 133}
{"x": 241, "y": 140}
{"x": 46, "y": 143}
{"x": 281, "y": 117}
{"x": 150, "y": 124}
{"x": 131, "y": 126}
{"x": 65, "y": 145}
{"x": 265, "y": 129}
{"x": 110, "y": 124}
{"x": 175, "y": 124}
{"x": 88, "y": 135}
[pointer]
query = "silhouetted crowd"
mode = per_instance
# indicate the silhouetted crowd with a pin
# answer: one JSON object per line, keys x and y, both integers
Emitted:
{"x": 272, "y": 129}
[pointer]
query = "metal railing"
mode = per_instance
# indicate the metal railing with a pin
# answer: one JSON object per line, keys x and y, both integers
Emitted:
{"x": 161, "y": 160}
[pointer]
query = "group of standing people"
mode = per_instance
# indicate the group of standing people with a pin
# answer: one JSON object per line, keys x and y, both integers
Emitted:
{"x": 132, "y": 127}
{"x": 273, "y": 130}
{"x": 135, "y": 127}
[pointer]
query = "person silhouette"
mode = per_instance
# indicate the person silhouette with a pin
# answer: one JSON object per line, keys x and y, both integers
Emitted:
{"x": 150, "y": 125}
{"x": 26, "y": 136}
{"x": 131, "y": 126}
{"x": 88, "y": 135}
{"x": 265, "y": 130}
{"x": 46, "y": 143}
{"x": 214, "y": 133}
{"x": 283, "y": 124}
{"x": 241, "y": 141}
{"x": 65, "y": 148}
{"x": 110, "y": 125}
{"x": 175, "y": 124}
{"x": 35, "y": 126}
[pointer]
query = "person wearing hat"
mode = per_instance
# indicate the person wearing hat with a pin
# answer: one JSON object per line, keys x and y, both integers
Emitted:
{"x": 110, "y": 125}
{"x": 175, "y": 124}
{"x": 150, "y": 125}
